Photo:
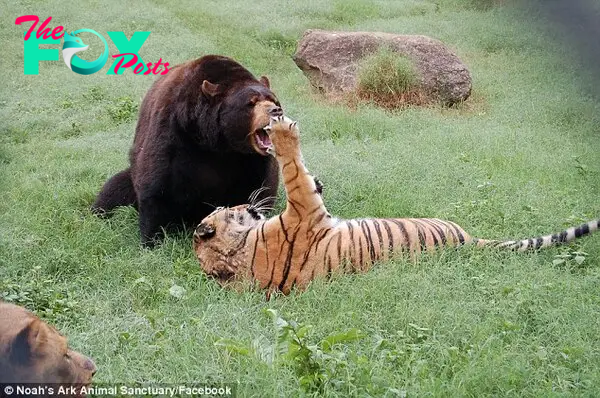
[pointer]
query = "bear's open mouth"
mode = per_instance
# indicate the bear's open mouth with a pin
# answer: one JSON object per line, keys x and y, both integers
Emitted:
{"x": 263, "y": 142}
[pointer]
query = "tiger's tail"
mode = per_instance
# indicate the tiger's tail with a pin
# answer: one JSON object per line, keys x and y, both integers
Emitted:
{"x": 559, "y": 238}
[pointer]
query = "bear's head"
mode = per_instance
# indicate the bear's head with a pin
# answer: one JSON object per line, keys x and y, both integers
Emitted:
{"x": 32, "y": 351}
{"x": 241, "y": 104}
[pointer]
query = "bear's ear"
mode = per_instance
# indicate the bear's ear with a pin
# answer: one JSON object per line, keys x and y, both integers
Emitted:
{"x": 209, "y": 89}
{"x": 29, "y": 341}
{"x": 265, "y": 81}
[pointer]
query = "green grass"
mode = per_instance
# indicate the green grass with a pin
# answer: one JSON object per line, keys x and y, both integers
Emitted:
{"x": 519, "y": 158}
{"x": 386, "y": 75}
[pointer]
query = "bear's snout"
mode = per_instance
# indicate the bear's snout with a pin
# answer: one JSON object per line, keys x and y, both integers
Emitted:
{"x": 275, "y": 111}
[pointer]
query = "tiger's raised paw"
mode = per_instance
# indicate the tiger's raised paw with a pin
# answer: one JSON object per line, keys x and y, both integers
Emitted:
{"x": 280, "y": 130}
{"x": 281, "y": 124}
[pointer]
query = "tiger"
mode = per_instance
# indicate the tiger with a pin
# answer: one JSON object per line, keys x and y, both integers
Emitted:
{"x": 291, "y": 249}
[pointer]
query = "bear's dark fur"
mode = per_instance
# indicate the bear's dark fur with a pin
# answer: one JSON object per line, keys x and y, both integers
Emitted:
{"x": 198, "y": 144}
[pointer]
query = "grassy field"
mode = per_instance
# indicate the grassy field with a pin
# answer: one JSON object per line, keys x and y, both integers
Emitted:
{"x": 519, "y": 158}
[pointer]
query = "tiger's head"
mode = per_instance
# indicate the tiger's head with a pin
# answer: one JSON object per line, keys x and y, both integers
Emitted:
{"x": 219, "y": 240}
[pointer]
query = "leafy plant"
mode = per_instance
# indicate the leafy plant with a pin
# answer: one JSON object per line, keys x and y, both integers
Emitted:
{"x": 570, "y": 258}
{"x": 39, "y": 294}
{"x": 317, "y": 365}
{"x": 95, "y": 93}
{"x": 177, "y": 291}
{"x": 122, "y": 110}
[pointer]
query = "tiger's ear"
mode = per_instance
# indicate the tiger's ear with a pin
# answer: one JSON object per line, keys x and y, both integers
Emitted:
{"x": 209, "y": 89}
{"x": 265, "y": 81}
{"x": 204, "y": 231}
{"x": 253, "y": 212}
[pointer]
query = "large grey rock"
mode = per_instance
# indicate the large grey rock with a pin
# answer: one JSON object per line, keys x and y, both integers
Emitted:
{"x": 330, "y": 61}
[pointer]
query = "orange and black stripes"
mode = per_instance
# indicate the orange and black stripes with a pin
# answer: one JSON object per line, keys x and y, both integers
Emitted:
{"x": 305, "y": 242}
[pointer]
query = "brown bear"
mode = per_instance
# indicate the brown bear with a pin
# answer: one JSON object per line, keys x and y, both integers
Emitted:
{"x": 199, "y": 143}
{"x": 31, "y": 351}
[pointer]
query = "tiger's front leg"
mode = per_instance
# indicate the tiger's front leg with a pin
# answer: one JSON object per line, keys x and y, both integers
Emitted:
{"x": 301, "y": 188}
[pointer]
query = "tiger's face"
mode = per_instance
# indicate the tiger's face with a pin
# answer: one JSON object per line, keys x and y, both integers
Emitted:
{"x": 219, "y": 240}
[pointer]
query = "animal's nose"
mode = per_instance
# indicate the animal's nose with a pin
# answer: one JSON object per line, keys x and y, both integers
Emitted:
{"x": 275, "y": 111}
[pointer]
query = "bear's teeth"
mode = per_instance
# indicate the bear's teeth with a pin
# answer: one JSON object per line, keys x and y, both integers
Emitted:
{"x": 263, "y": 139}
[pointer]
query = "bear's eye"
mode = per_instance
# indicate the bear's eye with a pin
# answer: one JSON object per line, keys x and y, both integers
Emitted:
{"x": 252, "y": 101}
